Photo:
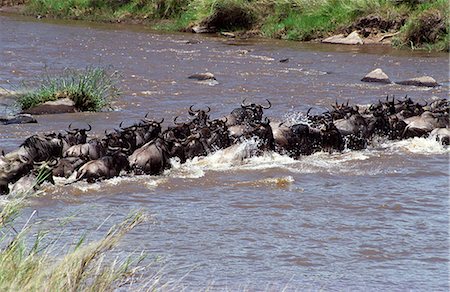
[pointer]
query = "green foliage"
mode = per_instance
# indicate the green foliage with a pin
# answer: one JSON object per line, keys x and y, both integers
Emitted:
{"x": 90, "y": 89}
{"x": 287, "y": 19}
{"x": 33, "y": 268}
{"x": 427, "y": 28}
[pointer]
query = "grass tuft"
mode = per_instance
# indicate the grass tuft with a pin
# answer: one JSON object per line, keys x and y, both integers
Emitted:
{"x": 85, "y": 268}
{"x": 90, "y": 89}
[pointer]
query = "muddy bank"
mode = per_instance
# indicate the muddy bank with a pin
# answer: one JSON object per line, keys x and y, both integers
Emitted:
{"x": 400, "y": 23}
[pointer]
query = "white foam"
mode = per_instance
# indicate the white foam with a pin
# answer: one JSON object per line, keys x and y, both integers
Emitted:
{"x": 425, "y": 146}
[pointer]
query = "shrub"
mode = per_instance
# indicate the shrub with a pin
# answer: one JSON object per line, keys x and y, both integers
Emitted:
{"x": 90, "y": 89}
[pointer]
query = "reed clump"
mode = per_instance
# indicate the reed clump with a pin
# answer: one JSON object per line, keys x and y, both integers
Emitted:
{"x": 91, "y": 89}
{"x": 27, "y": 265}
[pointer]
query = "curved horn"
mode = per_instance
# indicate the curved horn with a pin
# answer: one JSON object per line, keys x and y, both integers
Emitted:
{"x": 192, "y": 111}
{"x": 209, "y": 109}
{"x": 52, "y": 163}
{"x": 146, "y": 115}
{"x": 307, "y": 113}
{"x": 111, "y": 148}
{"x": 270, "y": 105}
{"x": 120, "y": 125}
{"x": 243, "y": 103}
{"x": 175, "y": 121}
{"x": 90, "y": 128}
{"x": 128, "y": 148}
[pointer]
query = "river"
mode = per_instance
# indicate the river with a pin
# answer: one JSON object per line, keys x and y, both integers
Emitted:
{"x": 366, "y": 220}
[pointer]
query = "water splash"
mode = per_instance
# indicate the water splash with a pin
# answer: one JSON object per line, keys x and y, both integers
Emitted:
{"x": 424, "y": 146}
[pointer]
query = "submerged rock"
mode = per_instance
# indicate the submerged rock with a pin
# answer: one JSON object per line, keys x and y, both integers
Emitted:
{"x": 203, "y": 76}
{"x": 376, "y": 75}
{"x": 351, "y": 39}
{"x": 17, "y": 119}
{"x": 425, "y": 81}
{"x": 60, "y": 106}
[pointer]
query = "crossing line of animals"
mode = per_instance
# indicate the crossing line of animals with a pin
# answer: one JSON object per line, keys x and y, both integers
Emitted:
{"x": 145, "y": 148}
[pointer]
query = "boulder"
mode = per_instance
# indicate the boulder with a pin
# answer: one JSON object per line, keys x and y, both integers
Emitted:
{"x": 202, "y": 76}
{"x": 60, "y": 106}
{"x": 351, "y": 39}
{"x": 425, "y": 81}
{"x": 17, "y": 119}
{"x": 376, "y": 75}
{"x": 202, "y": 29}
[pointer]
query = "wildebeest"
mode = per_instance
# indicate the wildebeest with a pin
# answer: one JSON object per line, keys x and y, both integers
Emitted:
{"x": 151, "y": 158}
{"x": 246, "y": 113}
{"x": 105, "y": 167}
{"x": 31, "y": 182}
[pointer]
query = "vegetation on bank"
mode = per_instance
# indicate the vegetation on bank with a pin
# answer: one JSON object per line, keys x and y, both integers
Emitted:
{"x": 28, "y": 261}
{"x": 420, "y": 23}
{"x": 90, "y": 89}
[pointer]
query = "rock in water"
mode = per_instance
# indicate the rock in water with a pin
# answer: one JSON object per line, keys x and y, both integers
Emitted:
{"x": 203, "y": 76}
{"x": 17, "y": 119}
{"x": 60, "y": 106}
{"x": 376, "y": 75}
{"x": 425, "y": 81}
{"x": 351, "y": 39}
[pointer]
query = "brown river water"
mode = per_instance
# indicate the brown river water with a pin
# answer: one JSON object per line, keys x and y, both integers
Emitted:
{"x": 366, "y": 220}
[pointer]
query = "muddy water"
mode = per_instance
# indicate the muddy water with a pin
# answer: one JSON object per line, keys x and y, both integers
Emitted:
{"x": 365, "y": 220}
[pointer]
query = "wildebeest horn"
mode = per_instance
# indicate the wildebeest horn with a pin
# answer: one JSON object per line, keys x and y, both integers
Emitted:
{"x": 90, "y": 128}
{"x": 70, "y": 129}
{"x": 120, "y": 125}
{"x": 24, "y": 159}
{"x": 307, "y": 113}
{"x": 243, "y": 103}
{"x": 209, "y": 109}
{"x": 267, "y": 107}
{"x": 111, "y": 148}
{"x": 162, "y": 120}
{"x": 175, "y": 121}
{"x": 426, "y": 103}
{"x": 146, "y": 115}
{"x": 191, "y": 111}
{"x": 52, "y": 163}
{"x": 128, "y": 148}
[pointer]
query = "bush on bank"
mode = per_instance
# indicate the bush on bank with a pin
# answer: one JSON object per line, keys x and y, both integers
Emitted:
{"x": 294, "y": 20}
{"x": 90, "y": 89}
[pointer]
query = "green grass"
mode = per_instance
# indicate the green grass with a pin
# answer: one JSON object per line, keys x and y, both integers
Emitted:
{"x": 293, "y": 20}
{"x": 427, "y": 28}
{"x": 91, "y": 89}
{"x": 28, "y": 264}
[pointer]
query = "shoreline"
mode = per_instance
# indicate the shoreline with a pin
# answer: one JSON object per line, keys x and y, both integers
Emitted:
{"x": 364, "y": 30}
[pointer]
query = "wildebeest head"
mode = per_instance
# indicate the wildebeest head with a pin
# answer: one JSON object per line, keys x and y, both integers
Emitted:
{"x": 263, "y": 131}
{"x": 200, "y": 117}
{"x": 75, "y": 136}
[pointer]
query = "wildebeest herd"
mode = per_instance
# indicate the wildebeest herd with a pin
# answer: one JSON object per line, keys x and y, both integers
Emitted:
{"x": 146, "y": 148}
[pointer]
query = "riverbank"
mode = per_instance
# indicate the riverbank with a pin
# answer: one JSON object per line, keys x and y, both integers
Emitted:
{"x": 417, "y": 24}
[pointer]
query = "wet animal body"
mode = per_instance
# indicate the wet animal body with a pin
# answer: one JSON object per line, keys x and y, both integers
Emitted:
{"x": 146, "y": 148}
